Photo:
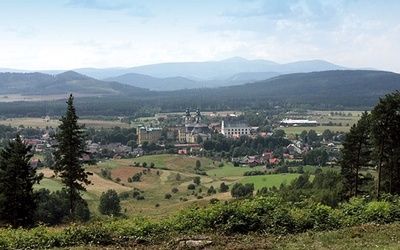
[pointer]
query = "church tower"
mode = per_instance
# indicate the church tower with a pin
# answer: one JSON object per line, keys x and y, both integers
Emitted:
{"x": 198, "y": 116}
{"x": 187, "y": 117}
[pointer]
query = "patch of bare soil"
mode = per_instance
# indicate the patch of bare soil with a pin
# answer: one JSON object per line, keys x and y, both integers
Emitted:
{"x": 100, "y": 184}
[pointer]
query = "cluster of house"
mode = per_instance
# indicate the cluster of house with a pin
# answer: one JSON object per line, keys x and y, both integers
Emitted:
{"x": 188, "y": 136}
{"x": 257, "y": 160}
{"x": 294, "y": 151}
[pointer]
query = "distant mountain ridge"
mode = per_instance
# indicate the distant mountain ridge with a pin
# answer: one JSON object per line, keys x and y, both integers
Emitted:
{"x": 337, "y": 90}
{"x": 64, "y": 83}
{"x": 186, "y": 75}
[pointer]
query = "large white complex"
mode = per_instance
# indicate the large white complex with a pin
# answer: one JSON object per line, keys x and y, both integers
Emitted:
{"x": 235, "y": 129}
{"x": 295, "y": 123}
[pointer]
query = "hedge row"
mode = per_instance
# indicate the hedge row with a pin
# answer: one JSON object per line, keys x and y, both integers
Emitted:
{"x": 261, "y": 214}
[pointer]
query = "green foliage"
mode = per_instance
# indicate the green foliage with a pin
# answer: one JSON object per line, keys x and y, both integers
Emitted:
{"x": 197, "y": 180}
{"x": 68, "y": 164}
{"x": 211, "y": 191}
{"x": 379, "y": 211}
{"x": 53, "y": 208}
{"x": 17, "y": 177}
{"x": 254, "y": 172}
{"x": 106, "y": 173}
{"x": 239, "y": 190}
{"x": 110, "y": 203}
{"x": 269, "y": 215}
{"x": 136, "y": 177}
{"x": 191, "y": 186}
{"x": 198, "y": 165}
{"x": 223, "y": 187}
{"x": 385, "y": 122}
{"x": 356, "y": 153}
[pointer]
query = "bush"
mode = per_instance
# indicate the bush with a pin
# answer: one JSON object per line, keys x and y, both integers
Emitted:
{"x": 191, "y": 186}
{"x": 223, "y": 187}
{"x": 167, "y": 196}
{"x": 124, "y": 196}
{"x": 240, "y": 190}
{"x": 109, "y": 203}
{"x": 136, "y": 177}
{"x": 378, "y": 211}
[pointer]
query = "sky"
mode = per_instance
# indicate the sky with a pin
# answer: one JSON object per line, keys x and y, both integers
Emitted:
{"x": 71, "y": 34}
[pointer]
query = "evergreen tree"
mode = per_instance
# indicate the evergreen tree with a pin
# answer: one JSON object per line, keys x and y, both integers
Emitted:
{"x": 197, "y": 180}
{"x": 356, "y": 153}
{"x": 385, "y": 127}
{"x": 68, "y": 162}
{"x": 17, "y": 177}
{"x": 109, "y": 203}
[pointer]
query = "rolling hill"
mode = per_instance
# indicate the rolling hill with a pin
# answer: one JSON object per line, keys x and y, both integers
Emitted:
{"x": 154, "y": 83}
{"x": 190, "y": 75}
{"x": 64, "y": 83}
{"x": 341, "y": 88}
{"x": 338, "y": 89}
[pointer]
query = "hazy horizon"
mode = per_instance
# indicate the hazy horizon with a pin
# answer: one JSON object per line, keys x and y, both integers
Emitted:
{"x": 71, "y": 34}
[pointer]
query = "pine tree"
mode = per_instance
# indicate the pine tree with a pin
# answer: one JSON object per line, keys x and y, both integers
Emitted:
{"x": 17, "y": 177}
{"x": 68, "y": 156}
{"x": 385, "y": 127}
{"x": 356, "y": 153}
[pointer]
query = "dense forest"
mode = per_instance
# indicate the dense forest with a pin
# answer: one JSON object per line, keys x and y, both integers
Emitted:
{"x": 318, "y": 90}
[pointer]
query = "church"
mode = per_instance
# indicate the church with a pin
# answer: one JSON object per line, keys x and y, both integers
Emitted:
{"x": 194, "y": 129}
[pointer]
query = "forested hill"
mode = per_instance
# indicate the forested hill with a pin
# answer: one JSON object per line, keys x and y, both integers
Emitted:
{"x": 64, "y": 83}
{"x": 359, "y": 89}
{"x": 340, "y": 87}
{"x": 327, "y": 89}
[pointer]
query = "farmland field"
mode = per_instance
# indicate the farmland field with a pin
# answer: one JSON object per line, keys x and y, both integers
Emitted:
{"x": 339, "y": 123}
{"x": 54, "y": 122}
{"x": 269, "y": 181}
{"x": 156, "y": 182}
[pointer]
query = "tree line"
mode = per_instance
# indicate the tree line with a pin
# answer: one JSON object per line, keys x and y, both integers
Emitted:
{"x": 374, "y": 141}
{"x": 20, "y": 205}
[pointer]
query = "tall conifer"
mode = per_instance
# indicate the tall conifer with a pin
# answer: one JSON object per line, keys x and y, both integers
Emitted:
{"x": 68, "y": 155}
{"x": 356, "y": 153}
{"x": 17, "y": 177}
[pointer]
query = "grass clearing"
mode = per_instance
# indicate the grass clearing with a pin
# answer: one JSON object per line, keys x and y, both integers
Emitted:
{"x": 269, "y": 180}
{"x": 54, "y": 122}
{"x": 228, "y": 170}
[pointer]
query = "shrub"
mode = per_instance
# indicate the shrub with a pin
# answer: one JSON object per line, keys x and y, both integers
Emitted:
{"x": 191, "y": 186}
{"x": 109, "y": 203}
{"x": 124, "y": 196}
{"x": 140, "y": 197}
{"x": 324, "y": 218}
{"x": 378, "y": 211}
{"x": 167, "y": 196}
{"x": 223, "y": 187}
{"x": 136, "y": 177}
{"x": 214, "y": 201}
{"x": 240, "y": 190}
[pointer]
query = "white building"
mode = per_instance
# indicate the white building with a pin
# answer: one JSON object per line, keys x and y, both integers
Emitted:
{"x": 235, "y": 129}
{"x": 295, "y": 123}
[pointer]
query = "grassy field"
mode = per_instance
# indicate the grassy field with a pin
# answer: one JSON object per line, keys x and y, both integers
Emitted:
{"x": 159, "y": 181}
{"x": 367, "y": 236}
{"x": 269, "y": 181}
{"x": 42, "y": 123}
{"x": 324, "y": 117}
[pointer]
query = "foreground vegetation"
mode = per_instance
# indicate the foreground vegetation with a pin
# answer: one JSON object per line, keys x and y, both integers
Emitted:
{"x": 269, "y": 216}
